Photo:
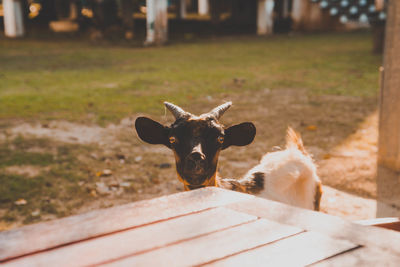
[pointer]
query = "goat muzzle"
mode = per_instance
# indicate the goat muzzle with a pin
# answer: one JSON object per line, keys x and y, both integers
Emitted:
{"x": 196, "y": 163}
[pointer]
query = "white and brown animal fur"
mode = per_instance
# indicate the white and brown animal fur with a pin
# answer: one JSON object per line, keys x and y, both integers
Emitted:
{"x": 289, "y": 175}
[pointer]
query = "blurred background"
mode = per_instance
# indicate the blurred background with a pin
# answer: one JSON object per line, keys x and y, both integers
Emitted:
{"x": 75, "y": 74}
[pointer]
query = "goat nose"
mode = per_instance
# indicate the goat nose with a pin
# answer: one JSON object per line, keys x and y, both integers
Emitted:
{"x": 197, "y": 156}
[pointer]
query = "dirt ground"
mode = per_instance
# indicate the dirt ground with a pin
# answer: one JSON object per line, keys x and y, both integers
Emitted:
{"x": 340, "y": 132}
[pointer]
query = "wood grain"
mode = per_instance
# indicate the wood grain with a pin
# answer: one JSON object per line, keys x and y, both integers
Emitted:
{"x": 206, "y": 226}
{"x": 365, "y": 256}
{"x": 332, "y": 226}
{"x": 42, "y": 236}
{"x": 391, "y": 223}
{"x": 214, "y": 246}
{"x": 389, "y": 123}
{"x": 388, "y": 189}
{"x": 137, "y": 240}
{"x": 299, "y": 250}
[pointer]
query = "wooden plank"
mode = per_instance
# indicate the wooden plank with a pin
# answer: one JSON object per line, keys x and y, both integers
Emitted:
{"x": 391, "y": 223}
{"x": 214, "y": 246}
{"x": 137, "y": 240}
{"x": 55, "y": 233}
{"x": 323, "y": 223}
{"x": 365, "y": 256}
{"x": 299, "y": 250}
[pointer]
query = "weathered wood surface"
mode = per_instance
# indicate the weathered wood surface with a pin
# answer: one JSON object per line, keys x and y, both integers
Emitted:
{"x": 300, "y": 250}
{"x": 388, "y": 190}
{"x": 209, "y": 226}
{"x": 364, "y": 256}
{"x": 55, "y": 233}
{"x": 389, "y": 126}
{"x": 137, "y": 240}
{"x": 213, "y": 246}
{"x": 388, "y": 223}
{"x": 332, "y": 226}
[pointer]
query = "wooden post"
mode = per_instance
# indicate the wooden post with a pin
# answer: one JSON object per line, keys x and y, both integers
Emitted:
{"x": 285, "y": 12}
{"x": 265, "y": 19}
{"x": 181, "y": 9}
{"x": 13, "y": 18}
{"x": 203, "y": 7}
{"x": 388, "y": 180}
{"x": 298, "y": 9}
{"x": 157, "y": 22}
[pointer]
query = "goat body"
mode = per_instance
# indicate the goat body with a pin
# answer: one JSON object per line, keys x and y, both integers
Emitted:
{"x": 288, "y": 176}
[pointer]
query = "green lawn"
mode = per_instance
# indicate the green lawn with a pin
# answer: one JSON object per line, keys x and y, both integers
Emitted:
{"x": 71, "y": 79}
{"x": 78, "y": 81}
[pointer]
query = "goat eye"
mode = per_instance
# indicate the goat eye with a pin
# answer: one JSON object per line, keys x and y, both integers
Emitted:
{"x": 172, "y": 140}
{"x": 220, "y": 139}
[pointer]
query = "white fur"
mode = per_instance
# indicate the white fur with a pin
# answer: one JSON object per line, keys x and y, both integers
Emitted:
{"x": 290, "y": 177}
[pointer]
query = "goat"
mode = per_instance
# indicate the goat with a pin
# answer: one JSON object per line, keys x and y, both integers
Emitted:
{"x": 288, "y": 176}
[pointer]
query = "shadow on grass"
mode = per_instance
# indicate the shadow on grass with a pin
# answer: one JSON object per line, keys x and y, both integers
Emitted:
{"x": 49, "y": 186}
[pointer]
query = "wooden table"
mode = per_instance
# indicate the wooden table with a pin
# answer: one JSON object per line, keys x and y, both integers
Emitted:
{"x": 209, "y": 226}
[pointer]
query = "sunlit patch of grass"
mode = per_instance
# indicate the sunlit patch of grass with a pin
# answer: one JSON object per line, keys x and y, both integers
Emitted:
{"x": 53, "y": 80}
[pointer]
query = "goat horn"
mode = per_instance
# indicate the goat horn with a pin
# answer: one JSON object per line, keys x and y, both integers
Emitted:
{"x": 175, "y": 110}
{"x": 220, "y": 110}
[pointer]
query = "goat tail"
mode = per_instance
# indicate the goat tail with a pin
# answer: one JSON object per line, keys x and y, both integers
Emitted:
{"x": 293, "y": 140}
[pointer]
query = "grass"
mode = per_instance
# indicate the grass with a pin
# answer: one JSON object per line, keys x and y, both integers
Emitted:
{"x": 78, "y": 81}
{"x": 51, "y": 191}
{"x": 74, "y": 80}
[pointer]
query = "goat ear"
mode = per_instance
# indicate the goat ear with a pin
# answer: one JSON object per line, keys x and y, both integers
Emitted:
{"x": 151, "y": 131}
{"x": 239, "y": 135}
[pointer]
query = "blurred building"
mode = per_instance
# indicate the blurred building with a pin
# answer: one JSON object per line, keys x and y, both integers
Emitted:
{"x": 262, "y": 17}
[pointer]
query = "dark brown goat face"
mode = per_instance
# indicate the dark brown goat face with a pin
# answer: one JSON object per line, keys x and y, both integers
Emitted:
{"x": 196, "y": 142}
